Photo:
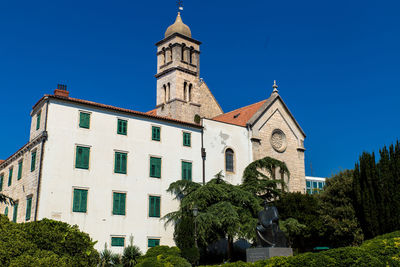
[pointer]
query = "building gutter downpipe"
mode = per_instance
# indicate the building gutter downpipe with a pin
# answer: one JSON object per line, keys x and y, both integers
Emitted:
{"x": 203, "y": 153}
{"x": 41, "y": 160}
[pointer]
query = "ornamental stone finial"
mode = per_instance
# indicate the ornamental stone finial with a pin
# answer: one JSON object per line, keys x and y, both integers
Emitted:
{"x": 275, "y": 86}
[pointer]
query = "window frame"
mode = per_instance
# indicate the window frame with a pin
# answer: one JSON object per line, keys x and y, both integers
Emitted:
{"x": 10, "y": 175}
{"x": 120, "y": 131}
{"x": 1, "y": 181}
{"x": 115, "y": 212}
{"x": 33, "y": 160}
{"x": 233, "y": 160}
{"x": 149, "y": 213}
{"x": 159, "y": 133}
{"x": 188, "y": 163}
{"x": 38, "y": 119}
{"x": 117, "y": 237}
{"x": 28, "y": 205}
{"x": 79, "y": 209}
{"x": 121, "y": 154}
{"x": 76, "y": 166}
{"x": 150, "y": 165}
{"x": 153, "y": 239}
{"x": 184, "y": 139}
{"x": 15, "y": 212}
{"x": 20, "y": 166}
{"x": 81, "y": 125}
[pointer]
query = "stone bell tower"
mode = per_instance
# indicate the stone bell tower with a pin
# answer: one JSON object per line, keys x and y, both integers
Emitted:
{"x": 180, "y": 92}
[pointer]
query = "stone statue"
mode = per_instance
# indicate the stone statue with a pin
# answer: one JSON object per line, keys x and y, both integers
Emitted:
{"x": 267, "y": 229}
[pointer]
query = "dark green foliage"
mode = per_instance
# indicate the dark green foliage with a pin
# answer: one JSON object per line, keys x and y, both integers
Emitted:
{"x": 337, "y": 212}
{"x": 192, "y": 255}
{"x": 376, "y": 189}
{"x": 162, "y": 256}
{"x": 131, "y": 254}
{"x": 51, "y": 240}
{"x": 259, "y": 178}
{"x": 225, "y": 211}
{"x": 380, "y": 251}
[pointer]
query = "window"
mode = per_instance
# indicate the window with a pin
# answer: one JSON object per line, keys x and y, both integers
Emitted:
{"x": 122, "y": 127}
{"x": 229, "y": 160}
{"x": 186, "y": 139}
{"x": 6, "y": 211}
{"x": 84, "y": 120}
{"x": 82, "y": 157}
{"x": 33, "y": 161}
{"x": 19, "y": 170}
{"x": 120, "y": 162}
{"x": 320, "y": 185}
{"x": 10, "y": 173}
{"x": 308, "y": 184}
{"x": 15, "y": 212}
{"x": 38, "y": 120}
{"x": 119, "y": 203}
{"x": 153, "y": 242}
{"x": 80, "y": 200}
{"x": 186, "y": 171}
{"x": 28, "y": 208}
{"x": 117, "y": 241}
{"x": 155, "y": 133}
{"x": 155, "y": 167}
{"x": 1, "y": 181}
{"x": 154, "y": 206}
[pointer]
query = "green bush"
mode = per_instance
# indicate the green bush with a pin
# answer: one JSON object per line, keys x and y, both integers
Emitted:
{"x": 381, "y": 251}
{"x": 42, "y": 242}
{"x": 162, "y": 256}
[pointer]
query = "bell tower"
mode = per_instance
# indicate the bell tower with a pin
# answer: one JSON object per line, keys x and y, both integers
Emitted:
{"x": 178, "y": 66}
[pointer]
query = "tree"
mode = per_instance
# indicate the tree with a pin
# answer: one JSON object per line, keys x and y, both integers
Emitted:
{"x": 225, "y": 211}
{"x": 259, "y": 178}
{"x": 131, "y": 254}
{"x": 337, "y": 212}
{"x": 292, "y": 228}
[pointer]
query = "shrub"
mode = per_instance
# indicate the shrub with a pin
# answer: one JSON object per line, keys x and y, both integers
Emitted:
{"x": 161, "y": 256}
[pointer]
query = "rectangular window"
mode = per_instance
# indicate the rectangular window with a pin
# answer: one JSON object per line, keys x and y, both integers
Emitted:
{"x": 153, "y": 242}
{"x": 80, "y": 200}
{"x": 15, "y": 212}
{"x": 38, "y": 120}
{"x": 308, "y": 184}
{"x": 154, "y": 206}
{"x": 82, "y": 157}
{"x": 155, "y": 167}
{"x": 84, "y": 120}
{"x": 10, "y": 174}
{"x": 28, "y": 208}
{"x": 120, "y": 162}
{"x": 117, "y": 241}
{"x": 186, "y": 139}
{"x": 1, "y": 182}
{"x": 33, "y": 161}
{"x": 119, "y": 203}
{"x": 314, "y": 185}
{"x": 122, "y": 127}
{"x": 320, "y": 185}
{"x": 155, "y": 133}
{"x": 186, "y": 171}
{"x": 19, "y": 170}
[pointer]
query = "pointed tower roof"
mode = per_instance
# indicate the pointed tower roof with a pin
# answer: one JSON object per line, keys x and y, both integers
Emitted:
{"x": 178, "y": 27}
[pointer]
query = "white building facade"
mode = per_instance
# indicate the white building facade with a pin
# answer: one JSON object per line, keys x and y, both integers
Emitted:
{"x": 107, "y": 169}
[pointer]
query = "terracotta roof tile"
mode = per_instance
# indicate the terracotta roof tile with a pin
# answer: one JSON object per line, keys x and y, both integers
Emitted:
{"x": 1, "y": 161}
{"x": 240, "y": 116}
{"x": 152, "y": 112}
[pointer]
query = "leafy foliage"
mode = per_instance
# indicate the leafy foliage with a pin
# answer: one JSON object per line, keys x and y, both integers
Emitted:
{"x": 131, "y": 254}
{"x": 45, "y": 241}
{"x": 162, "y": 256}
{"x": 259, "y": 178}
{"x": 225, "y": 211}
{"x": 6, "y": 199}
{"x": 292, "y": 228}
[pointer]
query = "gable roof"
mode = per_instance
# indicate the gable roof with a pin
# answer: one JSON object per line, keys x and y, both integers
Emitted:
{"x": 240, "y": 116}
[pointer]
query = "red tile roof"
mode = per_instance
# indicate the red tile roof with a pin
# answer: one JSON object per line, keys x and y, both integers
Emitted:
{"x": 240, "y": 116}
{"x": 133, "y": 112}
{"x": 1, "y": 161}
{"x": 152, "y": 112}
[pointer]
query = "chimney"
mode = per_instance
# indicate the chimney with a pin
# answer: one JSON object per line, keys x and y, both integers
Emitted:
{"x": 61, "y": 91}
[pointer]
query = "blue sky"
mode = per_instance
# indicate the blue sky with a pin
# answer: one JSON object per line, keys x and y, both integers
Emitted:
{"x": 337, "y": 63}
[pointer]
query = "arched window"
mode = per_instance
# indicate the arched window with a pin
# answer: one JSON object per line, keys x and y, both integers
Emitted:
{"x": 165, "y": 93}
{"x": 190, "y": 92}
{"x": 169, "y": 92}
{"x": 183, "y": 52}
{"x": 184, "y": 91}
{"x": 229, "y": 160}
{"x": 191, "y": 55}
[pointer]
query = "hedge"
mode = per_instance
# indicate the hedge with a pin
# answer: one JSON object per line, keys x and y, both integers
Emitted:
{"x": 383, "y": 250}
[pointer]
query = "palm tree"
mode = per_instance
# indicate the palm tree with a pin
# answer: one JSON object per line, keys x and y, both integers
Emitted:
{"x": 131, "y": 254}
{"x": 106, "y": 257}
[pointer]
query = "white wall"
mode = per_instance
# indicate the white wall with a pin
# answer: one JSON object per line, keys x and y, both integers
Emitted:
{"x": 60, "y": 176}
{"x": 219, "y": 136}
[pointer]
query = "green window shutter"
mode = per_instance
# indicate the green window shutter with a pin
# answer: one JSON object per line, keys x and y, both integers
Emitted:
{"x": 155, "y": 133}
{"x": 84, "y": 120}
{"x": 117, "y": 241}
{"x": 15, "y": 212}
{"x": 155, "y": 167}
{"x": 6, "y": 211}
{"x": 28, "y": 208}
{"x": 119, "y": 200}
{"x": 154, "y": 206}
{"x": 82, "y": 157}
{"x": 153, "y": 243}
{"x": 19, "y": 170}
{"x": 38, "y": 120}
{"x": 186, "y": 171}
{"x": 122, "y": 127}
{"x": 1, "y": 182}
{"x": 186, "y": 139}
{"x": 120, "y": 162}
{"x": 80, "y": 200}
{"x": 10, "y": 173}
{"x": 33, "y": 161}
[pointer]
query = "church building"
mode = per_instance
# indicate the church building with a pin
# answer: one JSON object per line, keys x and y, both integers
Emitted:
{"x": 107, "y": 169}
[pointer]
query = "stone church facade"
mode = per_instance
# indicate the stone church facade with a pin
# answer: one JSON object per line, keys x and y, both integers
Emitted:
{"x": 107, "y": 168}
